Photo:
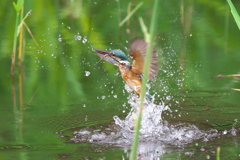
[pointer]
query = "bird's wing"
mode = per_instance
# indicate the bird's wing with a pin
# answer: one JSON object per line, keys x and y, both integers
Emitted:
{"x": 138, "y": 50}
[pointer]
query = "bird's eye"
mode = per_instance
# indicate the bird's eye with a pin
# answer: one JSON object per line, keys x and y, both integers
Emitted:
{"x": 111, "y": 53}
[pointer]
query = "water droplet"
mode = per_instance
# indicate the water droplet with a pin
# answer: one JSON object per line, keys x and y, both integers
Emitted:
{"x": 115, "y": 96}
{"x": 29, "y": 13}
{"x": 60, "y": 39}
{"x": 87, "y": 73}
{"x": 52, "y": 55}
{"x": 103, "y": 97}
{"x": 207, "y": 156}
{"x": 78, "y": 37}
{"x": 84, "y": 105}
{"x": 168, "y": 97}
{"x": 68, "y": 27}
{"x": 225, "y": 132}
{"x": 95, "y": 2}
{"x": 84, "y": 40}
{"x": 190, "y": 35}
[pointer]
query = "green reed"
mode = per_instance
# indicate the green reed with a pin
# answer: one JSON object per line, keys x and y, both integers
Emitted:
{"x": 19, "y": 16}
{"x": 130, "y": 14}
{"x": 218, "y": 153}
{"x": 150, "y": 39}
{"x": 234, "y": 13}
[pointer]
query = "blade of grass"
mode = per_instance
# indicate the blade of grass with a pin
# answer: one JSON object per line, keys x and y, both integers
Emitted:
{"x": 20, "y": 33}
{"x": 22, "y": 21}
{"x": 128, "y": 11}
{"x": 28, "y": 29}
{"x": 144, "y": 29}
{"x": 119, "y": 11}
{"x": 30, "y": 33}
{"x": 20, "y": 57}
{"x": 18, "y": 5}
{"x": 14, "y": 44}
{"x": 144, "y": 81}
{"x": 234, "y": 13}
{"x": 218, "y": 153}
{"x": 130, "y": 14}
{"x": 18, "y": 8}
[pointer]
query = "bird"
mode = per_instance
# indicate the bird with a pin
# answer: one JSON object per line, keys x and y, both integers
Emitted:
{"x": 132, "y": 74}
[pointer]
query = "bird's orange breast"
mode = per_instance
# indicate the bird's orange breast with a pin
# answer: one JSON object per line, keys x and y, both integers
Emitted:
{"x": 132, "y": 79}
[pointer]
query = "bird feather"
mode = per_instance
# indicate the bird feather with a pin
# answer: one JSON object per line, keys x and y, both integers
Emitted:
{"x": 138, "y": 50}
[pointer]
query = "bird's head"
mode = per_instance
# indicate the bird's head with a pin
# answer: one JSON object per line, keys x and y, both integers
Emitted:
{"x": 115, "y": 54}
{"x": 118, "y": 54}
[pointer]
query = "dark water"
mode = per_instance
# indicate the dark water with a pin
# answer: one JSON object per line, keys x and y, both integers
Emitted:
{"x": 64, "y": 103}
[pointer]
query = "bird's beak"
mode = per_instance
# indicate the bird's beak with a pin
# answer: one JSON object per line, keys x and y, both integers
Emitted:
{"x": 106, "y": 55}
{"x": 102, "y": 52}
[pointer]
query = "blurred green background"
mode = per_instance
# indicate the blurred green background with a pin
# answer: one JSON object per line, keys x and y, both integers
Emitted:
{"x": 62, "y": 84}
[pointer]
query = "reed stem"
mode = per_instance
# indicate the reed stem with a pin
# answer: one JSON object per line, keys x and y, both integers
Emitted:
{"x": 218, "y": 153}
{"x": 130, "y": 14}
{"x": 144, "y": 81}
{"x": 15, "y": 43}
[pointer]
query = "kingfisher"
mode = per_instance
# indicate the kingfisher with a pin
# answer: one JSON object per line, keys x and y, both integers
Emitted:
{"x": 132, "y": 73}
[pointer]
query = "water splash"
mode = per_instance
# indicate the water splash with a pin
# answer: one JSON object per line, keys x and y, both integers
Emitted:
{"x": 153, "y": 130}
{"x": 151, "y": 117}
